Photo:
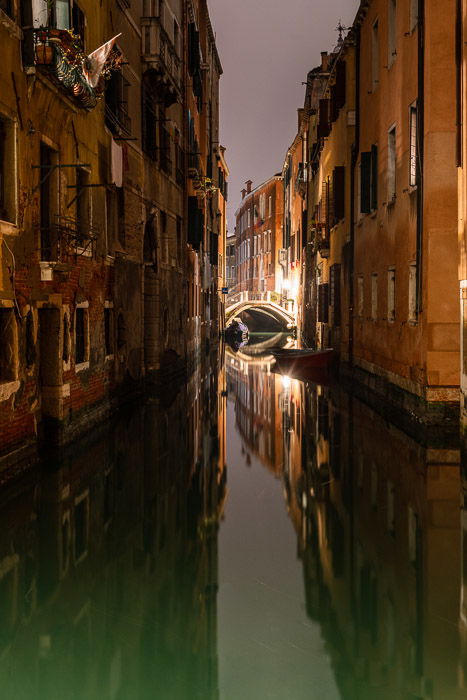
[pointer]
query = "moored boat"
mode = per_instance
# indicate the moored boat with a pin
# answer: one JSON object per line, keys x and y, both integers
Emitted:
{"x": 296, "y": 359}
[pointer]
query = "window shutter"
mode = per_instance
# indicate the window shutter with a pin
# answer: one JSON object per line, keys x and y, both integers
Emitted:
{"x": 339, "y": 192}
{"x": 323, "y": 125}
{"x": 323, "y": 303}
{"x": 374, "y": 177}
{"x": 365, "y": 182}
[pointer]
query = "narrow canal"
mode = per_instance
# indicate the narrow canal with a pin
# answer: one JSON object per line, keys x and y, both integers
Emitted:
{"x": 249, "y": 536}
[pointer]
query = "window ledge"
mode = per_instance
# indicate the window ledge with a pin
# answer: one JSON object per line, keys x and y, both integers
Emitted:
{"x": 7, "y": 389}
{"x": 110, "y": 358}
{"x": 8, "y": 229}
{"x": 81, "y": 367}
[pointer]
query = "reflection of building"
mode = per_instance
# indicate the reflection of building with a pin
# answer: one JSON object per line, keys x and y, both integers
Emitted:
{"x": 108, "y": 562}
{"x": 258, "y": 234}
{"x": 380, "y": 542}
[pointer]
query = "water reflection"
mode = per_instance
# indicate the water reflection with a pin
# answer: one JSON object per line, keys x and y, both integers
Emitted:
{"x": 378, "y": 530}
{"x": 332, "y": 567}
{"x": 108, "y": 560}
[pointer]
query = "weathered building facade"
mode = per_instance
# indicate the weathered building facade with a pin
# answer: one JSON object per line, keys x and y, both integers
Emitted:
{"x": 94, "y": 206}
{"x": 258, "y": 234}
{"x": 406, "y": 316}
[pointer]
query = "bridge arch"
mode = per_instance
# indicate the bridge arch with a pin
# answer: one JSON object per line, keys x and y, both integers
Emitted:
{"x": 268, "y": 307}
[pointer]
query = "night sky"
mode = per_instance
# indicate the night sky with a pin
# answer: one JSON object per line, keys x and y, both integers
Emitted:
{"x": 267, "y": 48}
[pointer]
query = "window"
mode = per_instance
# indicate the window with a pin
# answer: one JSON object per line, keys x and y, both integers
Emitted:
{"x": 55, "y": 13}
{"x": 392, "y": 31}
{"x": 374, "y": 56}
{"x": 369, "y": 180}
{"x": 413, "y": 162}
{"x": 391, "y": 173}
{"x": 48, "y": 199}
{"x": 7, "y": 7}
{"x": 81, "y": 335}
{"x": 270, "y": 206}
{"x": 374, "y": 296}
{"x": 412, "y": 293}
{"x": 7, "y": 170}
{"x": 391, "y": 294}
{"x": 116, "y": 104}
{"x": 83, "y": 205}
{"x": 8, "y": 345}
{"x": 165, "y": 148}
{"x": 78, "y": 21}
{"x": 360, "y": 295}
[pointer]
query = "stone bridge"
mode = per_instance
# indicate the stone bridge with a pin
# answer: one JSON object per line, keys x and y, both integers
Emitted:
{"x": 266, "y": 302}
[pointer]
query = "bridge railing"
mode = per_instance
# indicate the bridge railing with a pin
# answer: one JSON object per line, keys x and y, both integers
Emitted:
{"x": 241, "y": 297}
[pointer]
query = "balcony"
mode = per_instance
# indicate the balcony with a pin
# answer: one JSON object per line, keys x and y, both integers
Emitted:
{"x": 57, "y": 53}
{"x": 160, "y": 55}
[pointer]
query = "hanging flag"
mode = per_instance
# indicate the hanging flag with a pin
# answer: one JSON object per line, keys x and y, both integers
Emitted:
{"x": 94, "y": 63}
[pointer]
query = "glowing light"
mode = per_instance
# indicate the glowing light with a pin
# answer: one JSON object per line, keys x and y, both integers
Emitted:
{"x": 286, "y": 381}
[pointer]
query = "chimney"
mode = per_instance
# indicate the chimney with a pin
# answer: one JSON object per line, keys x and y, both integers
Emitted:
{"x": 248, "y": 184}
{"x": 324, "y": 61}
{"x": 243, "y": 193}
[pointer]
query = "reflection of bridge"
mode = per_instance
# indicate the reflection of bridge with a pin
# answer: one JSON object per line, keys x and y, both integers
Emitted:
{"x": 268, "y": 303}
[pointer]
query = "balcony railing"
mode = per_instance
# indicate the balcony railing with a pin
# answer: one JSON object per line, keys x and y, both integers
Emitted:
{"x": 160, "y": 53}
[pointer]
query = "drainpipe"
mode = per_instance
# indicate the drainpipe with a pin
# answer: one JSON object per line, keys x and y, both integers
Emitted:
{"x": 353, "y": 170}
{"x": 420, "y": 139}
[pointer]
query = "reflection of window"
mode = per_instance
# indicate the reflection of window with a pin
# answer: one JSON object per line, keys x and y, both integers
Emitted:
{"x": 7, "y": 170}
{"x": 374, "y": 296}
{"x": 391, "y": 165}
{"x": 81, "y": 522}
{"x": 412, "y": 293}
{"x": 413, "y": 166}
{"x": 8, "y": 345}
{"x": 30, "y": 340}
{"x": 391, "y": 294}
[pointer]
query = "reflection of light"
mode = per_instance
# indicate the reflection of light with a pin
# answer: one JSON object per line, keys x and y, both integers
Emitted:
{"x": 286, "y": 381}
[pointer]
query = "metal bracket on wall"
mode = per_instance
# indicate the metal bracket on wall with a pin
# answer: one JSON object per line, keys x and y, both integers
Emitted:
{"x": 51, "y": 168}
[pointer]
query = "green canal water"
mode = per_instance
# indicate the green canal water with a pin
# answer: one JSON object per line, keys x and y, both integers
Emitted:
{"x": 247, "y": 537}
